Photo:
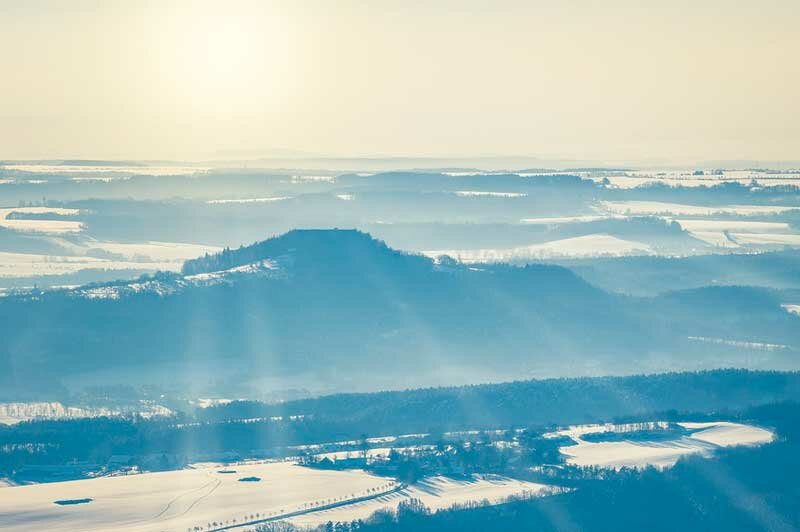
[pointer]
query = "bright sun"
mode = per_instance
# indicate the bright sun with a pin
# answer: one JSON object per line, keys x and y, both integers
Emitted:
{"x": 224, "y": 61}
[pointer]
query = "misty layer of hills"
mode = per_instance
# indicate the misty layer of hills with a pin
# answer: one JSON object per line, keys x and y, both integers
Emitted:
{"x": 410, "y": 210}
{"x": 564, "y": 272}
{"x": 339, "y": 310}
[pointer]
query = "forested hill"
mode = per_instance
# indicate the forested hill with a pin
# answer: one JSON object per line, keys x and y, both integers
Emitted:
{"x": 242, "y": 427}
{"x": 337, "y": 310}
{"x": 533, "y": 402}
{"x": 310, "y": 248}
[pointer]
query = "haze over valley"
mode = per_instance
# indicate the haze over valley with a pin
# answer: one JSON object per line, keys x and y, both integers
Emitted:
{"x": 274, "y": 266}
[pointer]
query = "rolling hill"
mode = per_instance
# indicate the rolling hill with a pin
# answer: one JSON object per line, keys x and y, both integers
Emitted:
{"x": 336, "y": 309}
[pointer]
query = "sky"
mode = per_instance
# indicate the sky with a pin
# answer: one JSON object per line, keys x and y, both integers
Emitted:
{"x": 614, "y": 80}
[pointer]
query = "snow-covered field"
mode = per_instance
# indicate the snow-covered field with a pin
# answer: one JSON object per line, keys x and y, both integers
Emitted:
{"x": 41, "y": 226}
{"x": 488, "y": 194}
{"x": 736, "y": 233}
{"x": 155, "y": 251}
{"x": 28, "y": 264}
{"x": 596, "y": 245}
{"x": 271, "y": 199}
{"x": 726, "y": 434}
{"x": 767, "y": 239}
{"x": 164, "y": 256}
{"x": 685, "y": 178}
{"x": 705, "y": 438}
{"x": 436, "y": 493}
{"x": 177, "y": 500}
{"x": 559, "y": 220}
{"x": 212, "y": 493}
{"x": 650, "y": 208}
{"x": 792, "y": 309}
{"x": 86, "y": 253}
{"x": 737, "y": 226}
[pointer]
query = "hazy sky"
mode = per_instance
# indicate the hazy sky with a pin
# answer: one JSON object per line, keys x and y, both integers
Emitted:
{"x": 195, "y": 80}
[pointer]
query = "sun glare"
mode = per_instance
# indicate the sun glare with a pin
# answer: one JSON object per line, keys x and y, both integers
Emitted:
{"x": 224, "y": 61}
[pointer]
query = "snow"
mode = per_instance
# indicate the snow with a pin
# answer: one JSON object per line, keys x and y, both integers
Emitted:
{"x": 373, "y": 453}
{"x": 725, "y": 434}
{"x": 86, "y": 169}
{"x": 153, "y": 251}
{"x": 377, "y": 452}
{"x": 761, "y": 346}
{"x": 716, "y": 238}
{"x": 248, "y": 200}
{"x": 436, "y": 493}
{"x": 792, "y": 309}
{"x": 481, "y": 193}
{"x": 595, "y": 245}
{"x": 27, "y": 264}
{"x": 12, "y": 413}
{"x": 208, "y": 402}
{"x": 345, "y": 197}
{"x": 471, "y": 173}
{"x": 767, "y": 239}
{"x": 164, "y": 256}
{"x": 556, "y": 220}
{"x": 616, "y": 455}
{"x": 739, "y": 226}
{"x": 685, "y": 178}
{"x": 624, "y": 181}
{"x": 662, "y": 453}
{"x": 313, "y": 179}
{"x": 60, "y": 211}
{"x": 265, "y": 266}
{"x": 41, "y": 226}
{"x": 647, "y": 208}
{"x": 177, "y": 500}
{"x": 95, "y": 179}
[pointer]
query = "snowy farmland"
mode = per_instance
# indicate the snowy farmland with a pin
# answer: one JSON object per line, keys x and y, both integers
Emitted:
{"x": 435, "y": 493}
{"x": 54, "y": 226}
{"x": 181, "y": 500}
{"x": 652, "y": 208}
{"x": 595, "y": 245}
{"x": 687, "y": 178}
{"x": 703, "y": 439}
{"x": 177, "y": 500}
{"x": 164, "y": 256}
